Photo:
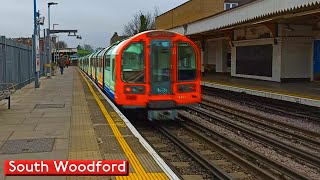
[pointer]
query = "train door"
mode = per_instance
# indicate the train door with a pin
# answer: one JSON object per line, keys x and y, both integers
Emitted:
{"x": 161, "y": 67}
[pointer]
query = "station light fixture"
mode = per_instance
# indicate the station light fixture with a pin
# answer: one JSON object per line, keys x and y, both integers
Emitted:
{"x": 52, "y": 3}
{"x": 55, "y": 25}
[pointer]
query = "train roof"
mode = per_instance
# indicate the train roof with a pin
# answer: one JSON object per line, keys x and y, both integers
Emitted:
{"x": 118, "y": 44}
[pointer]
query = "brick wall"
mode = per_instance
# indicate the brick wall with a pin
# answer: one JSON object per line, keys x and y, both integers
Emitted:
{"x": 189, "y": 12}
{"x": 192, "y": 11}
{"x": 28, "y": 41}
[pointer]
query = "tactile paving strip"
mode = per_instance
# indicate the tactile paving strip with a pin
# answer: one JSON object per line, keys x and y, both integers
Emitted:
{"x": 27, "y": 146}
{"x": 45, "y": 106}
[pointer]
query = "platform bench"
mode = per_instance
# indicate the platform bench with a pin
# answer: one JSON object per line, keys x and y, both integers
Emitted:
{"x": 6, "y": 90}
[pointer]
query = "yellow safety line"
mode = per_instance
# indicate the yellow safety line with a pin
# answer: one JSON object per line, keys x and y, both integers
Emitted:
{"x": 263, "y": 89}
{"x": 139, "y": 170}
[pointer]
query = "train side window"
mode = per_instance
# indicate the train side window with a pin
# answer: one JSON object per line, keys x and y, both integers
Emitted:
{"x": 113, "y": 69}
{"x": 187, "y": 65}
{"x": 107, "y": 63}
{"x": 133, "y": 63}
{"x": 107, "y": 58}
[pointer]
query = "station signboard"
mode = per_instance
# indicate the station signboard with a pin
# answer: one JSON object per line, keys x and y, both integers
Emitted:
{"x": 37, "y": 54}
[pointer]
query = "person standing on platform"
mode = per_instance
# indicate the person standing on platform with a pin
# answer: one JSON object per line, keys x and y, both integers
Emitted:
{"x": 62, "y": 63}
{"x": 67, "y": 63}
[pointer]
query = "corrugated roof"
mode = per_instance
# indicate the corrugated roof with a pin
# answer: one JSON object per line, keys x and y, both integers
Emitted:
{"x": 241, "y": 14}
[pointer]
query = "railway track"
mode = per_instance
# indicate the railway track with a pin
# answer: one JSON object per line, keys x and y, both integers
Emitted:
{"x": 293, "y": 135}
{"x": 271, "y": 169}
{"x": 216, "y": 159}
{"x": 200, "y": 158}
{"x": 268, "y": 105}
{"x": 302, "y": 155}
{"x": 180, "y": 160}
{"x": 196, "y": 151}
{"x": 264, "y": 121}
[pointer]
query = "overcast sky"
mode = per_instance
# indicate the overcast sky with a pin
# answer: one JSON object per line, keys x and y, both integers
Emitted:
{"x": 95, "y": 20}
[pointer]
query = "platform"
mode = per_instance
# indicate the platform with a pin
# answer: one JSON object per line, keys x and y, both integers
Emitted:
{"x": 307, "y": 93}
{"x": 68, "y": 118}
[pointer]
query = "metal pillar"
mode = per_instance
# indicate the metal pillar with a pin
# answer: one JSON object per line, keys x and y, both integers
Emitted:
{"x": 203, "y": 49}
{"x": 34, "y": 58}
{"x": 49, "y": 44}
{"x": 39, "y": 42}
{"x": 45, "y": 52}
{"x": 48, "y": 34}
{"x": 48, "y": 54}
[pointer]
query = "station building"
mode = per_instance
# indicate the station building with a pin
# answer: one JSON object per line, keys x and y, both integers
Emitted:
{"x": 116, "y": 38}
{"x": 268, "y": 40}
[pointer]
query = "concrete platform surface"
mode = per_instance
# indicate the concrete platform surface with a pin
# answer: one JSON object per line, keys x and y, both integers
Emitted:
{"x": 307, "y": 93}
{"x": 67, "y": 118}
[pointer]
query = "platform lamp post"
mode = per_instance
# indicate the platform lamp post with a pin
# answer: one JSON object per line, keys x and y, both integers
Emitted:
{"x": 35, "y": 59}
{"x": 40, "y": 22}
{"x": 50, "y": 53}
{"x": 56, "y": 48}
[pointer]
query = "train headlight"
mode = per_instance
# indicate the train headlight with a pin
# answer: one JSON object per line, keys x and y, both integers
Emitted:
{"x": 134, "y": 90}
{"x": 127, "y": 90}
{"x": 184, "y": 88}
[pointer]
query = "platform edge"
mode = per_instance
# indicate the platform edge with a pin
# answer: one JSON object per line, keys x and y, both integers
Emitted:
{"x": 272, "y": 95}
{"x": 143, "y": 142}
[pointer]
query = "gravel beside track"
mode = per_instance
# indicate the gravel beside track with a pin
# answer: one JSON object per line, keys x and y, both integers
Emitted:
{"x": 293, "y": 137}
{"x": 273, "y": 106}
{"x": 185, "y": 166}
{"x": 266, "y": 150}
{"x": 309, "y": 125}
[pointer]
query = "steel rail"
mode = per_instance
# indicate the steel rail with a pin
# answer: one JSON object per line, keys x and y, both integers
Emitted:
{"x": 273, "y": 164}
{"x": 277, "y": 108}
{"x": 244, "y": 114}
{"x": 305, "y": 156}
{"x": 243, "y": 162}
{"x": 214, "y": 169}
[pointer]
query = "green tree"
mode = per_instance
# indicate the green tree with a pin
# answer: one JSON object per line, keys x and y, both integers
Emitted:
{"x": 80, "y": 47}
{"x": 84, "y": 50}
{"x": 143, "y": 23}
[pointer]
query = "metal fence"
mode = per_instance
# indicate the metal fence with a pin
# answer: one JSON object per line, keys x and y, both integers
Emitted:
{"x": 16, "y": 65}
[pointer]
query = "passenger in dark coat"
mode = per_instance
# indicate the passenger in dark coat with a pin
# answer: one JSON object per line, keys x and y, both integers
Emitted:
{"x": 62, "y": 63}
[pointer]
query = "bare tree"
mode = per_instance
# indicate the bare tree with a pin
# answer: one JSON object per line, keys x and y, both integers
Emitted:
{"x": 142, "y": 21}
{"x": 88, "y": 47}
{"x": 61, "y": 45}
{"x": 99, "y": 48}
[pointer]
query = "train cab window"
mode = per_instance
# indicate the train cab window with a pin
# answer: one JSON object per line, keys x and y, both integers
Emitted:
{"x": 187, "y": 66}
{"x": 132, "y": 63}
{"x": 160, "y": 61}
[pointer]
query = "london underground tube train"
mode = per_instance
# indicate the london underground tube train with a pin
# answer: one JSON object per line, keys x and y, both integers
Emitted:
{"x": 155, "y": 70}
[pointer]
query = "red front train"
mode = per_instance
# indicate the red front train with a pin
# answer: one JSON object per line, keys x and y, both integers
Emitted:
{"x": 157, "y": 70}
